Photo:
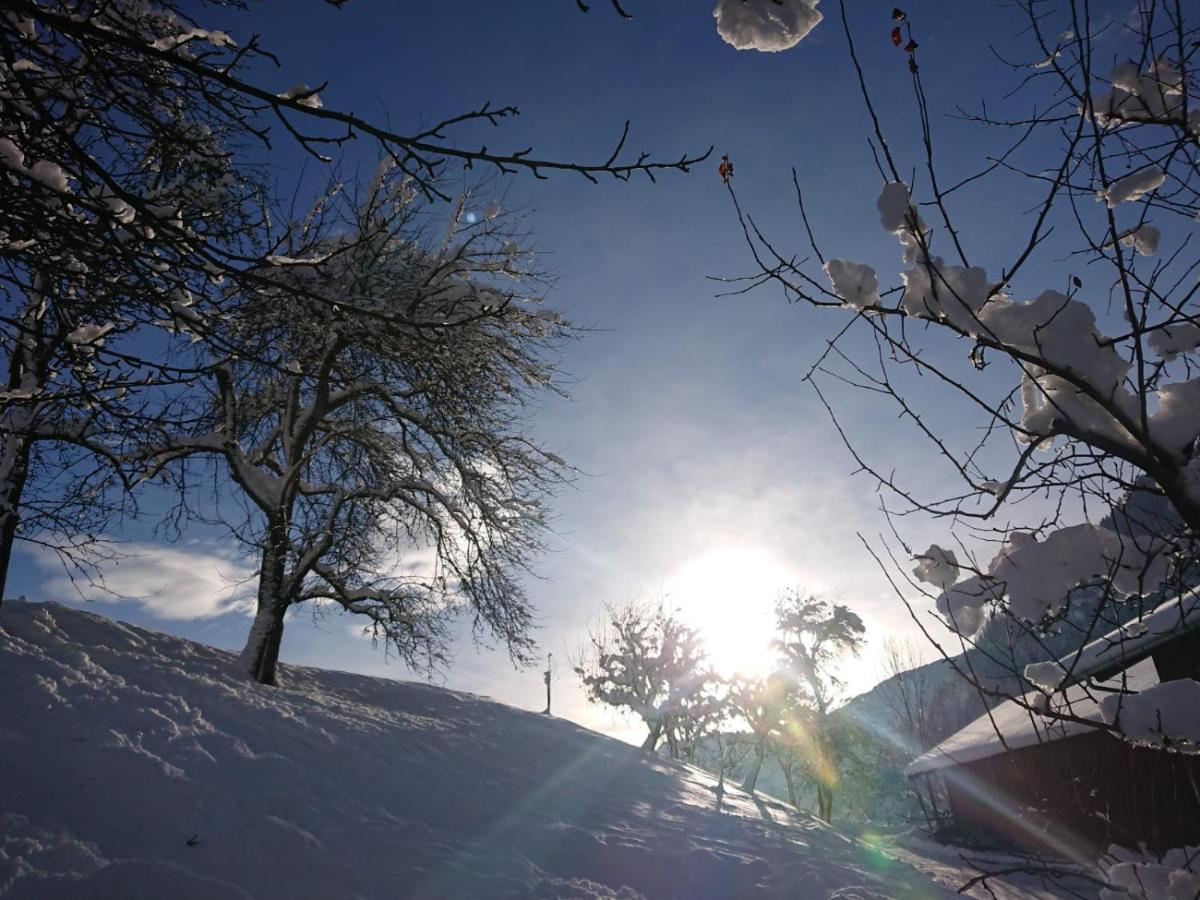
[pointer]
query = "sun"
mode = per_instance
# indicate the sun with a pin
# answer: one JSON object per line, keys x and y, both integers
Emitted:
{"x": 729, "y": 594}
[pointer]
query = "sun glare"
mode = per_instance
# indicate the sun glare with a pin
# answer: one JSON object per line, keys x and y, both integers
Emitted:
{"x": 729, "y": 595}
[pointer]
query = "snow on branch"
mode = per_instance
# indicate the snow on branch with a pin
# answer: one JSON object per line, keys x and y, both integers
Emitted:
{"x": 768, "y": 26}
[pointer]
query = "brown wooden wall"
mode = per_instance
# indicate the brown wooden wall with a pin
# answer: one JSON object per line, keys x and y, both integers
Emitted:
{"x": 1080, "y": 794}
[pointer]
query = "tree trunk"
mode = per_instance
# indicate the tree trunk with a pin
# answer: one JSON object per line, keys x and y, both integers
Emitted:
{"x": 791, "y": 784}
{"x": 261, "y": 654}
{"x": 14, "y": 469}
{"x": 672, "y": 743}
{"x": 26, "y": 369}
{"x": 825, "y": 803}
{"x": 651, "y": 742}
{"x": 752, "y": 775}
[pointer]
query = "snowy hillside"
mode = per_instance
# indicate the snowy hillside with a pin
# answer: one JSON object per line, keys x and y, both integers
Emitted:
{"x": 136, "y": 765}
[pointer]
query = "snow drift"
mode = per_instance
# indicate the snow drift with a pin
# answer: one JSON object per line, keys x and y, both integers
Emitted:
{"x": 138, "y": 765}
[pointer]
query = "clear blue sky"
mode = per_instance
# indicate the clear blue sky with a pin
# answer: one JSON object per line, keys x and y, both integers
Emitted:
{"x": 715, "y": 475}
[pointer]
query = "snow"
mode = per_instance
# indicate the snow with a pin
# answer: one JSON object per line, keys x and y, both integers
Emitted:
{"x": 1048, "y": 676}
{"x": 895, "y": 204}
{"x": 1176, "y": 423}
{"x": 50, "y": 175}
{"x": 1152, "y": 95}
{"x": 1169, "y": 341}
{"x": 937, "y": 566}
{"x": 258, "y": 481}
{"x": 120, "y": 210}
{"x": 1012, "y": 725}
{"x": 1053, "y": 405}
{"x": 1073, "y": 379}
{"x": 46, "y": 173}
{"x": 1144, "y": 239}
{"x": 1132, "y": 187}
{"x": 855, "y": 283}
{"x": 952, "y": 293}
{"x": 952, "y": 866}
{"x": 279, "y": 260}
{"x": 1121, "y": 648}
{"x": 1037, "y": 577}
{"x": 90, "y": 334}
{"x": 1061, "y": 331}
{"x": 1162, "y": 715}
{"x": 961, "y": 605}
{"x": 216, "y": 38}
{"x": 766, "y": 25}
{"x": 898, "y": 215}
{"x": 1175, "y": 877}
{"x": 137, "y": 764}
{"x": 11, "y": 155}
{"x": 1122, "y": 658}
{"x": 304, "y": 95}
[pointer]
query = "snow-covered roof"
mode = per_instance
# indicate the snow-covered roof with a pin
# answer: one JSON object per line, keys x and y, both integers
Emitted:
{"x": 1125, "y": 650}
{"x": 1135, "y": 640}
{"x": 1012, "y": 725}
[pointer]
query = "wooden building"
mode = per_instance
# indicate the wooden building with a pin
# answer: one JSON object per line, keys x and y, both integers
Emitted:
{"x": 1061, "y": 785}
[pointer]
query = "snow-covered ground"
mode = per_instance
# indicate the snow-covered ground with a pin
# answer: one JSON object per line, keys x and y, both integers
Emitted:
{"x": 137, "y": 765}
{"x": 955, "y": 867}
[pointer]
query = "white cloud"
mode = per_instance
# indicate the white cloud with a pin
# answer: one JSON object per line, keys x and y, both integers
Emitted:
{"x": 765, "y": 25}
{"x": 168, "y": 582}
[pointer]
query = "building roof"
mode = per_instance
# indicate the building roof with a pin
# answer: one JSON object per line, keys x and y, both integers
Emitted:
{"x": 1118, "y": 661}
{"x": 1136, "y": 640}
{"x": 1013, "y": 725}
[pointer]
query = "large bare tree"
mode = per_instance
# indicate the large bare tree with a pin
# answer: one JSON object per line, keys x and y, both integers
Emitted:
{"x": 388, "y": 424}
{"x": 129, "y": 208}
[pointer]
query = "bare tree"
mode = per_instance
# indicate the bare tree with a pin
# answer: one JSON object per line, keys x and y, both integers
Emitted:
{"x": 1089, "y": 432}
{"x": 644, "y": 658}
{"x": 1101, "y": 408}
{"x": 924, "y": 709}
{"x": 699, "y": 723}
{"x": 130, "y": 214}
{"x": 731, "y": 749}
{"x": 908, "y": 690}
{"x": 705, "y": 734}
{"x": 814, "y": 635}
{"x": 761, "y": 703}
{"x": 387, "y": 425}
{"x": 121, "y": 205}
{"x": 792, "y": 747}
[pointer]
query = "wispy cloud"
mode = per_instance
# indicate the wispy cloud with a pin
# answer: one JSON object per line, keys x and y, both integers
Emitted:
{"x": 178, "y": 583}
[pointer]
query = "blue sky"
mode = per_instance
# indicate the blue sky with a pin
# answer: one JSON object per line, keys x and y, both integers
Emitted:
{"x": 714, "y": 474}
